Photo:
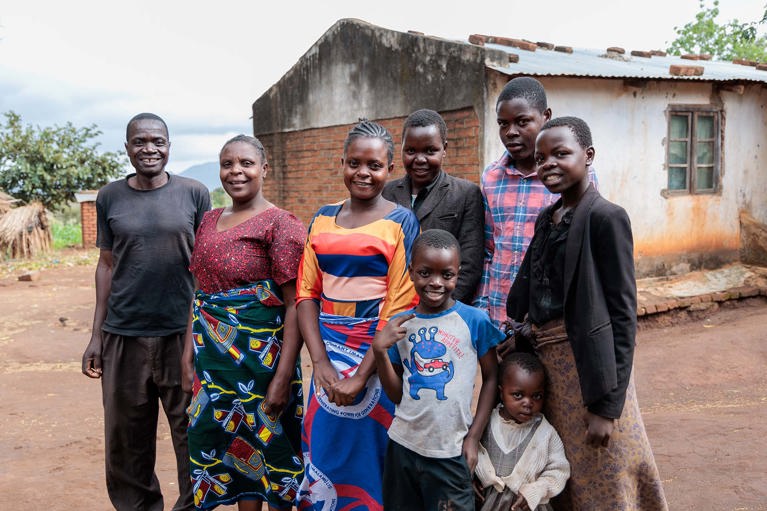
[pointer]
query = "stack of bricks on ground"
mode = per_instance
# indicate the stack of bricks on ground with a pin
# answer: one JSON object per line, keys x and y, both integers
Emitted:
{"x": 648, "y": 306}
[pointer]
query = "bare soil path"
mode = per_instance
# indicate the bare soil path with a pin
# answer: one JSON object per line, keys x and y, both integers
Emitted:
{"x": 702, "y": 388}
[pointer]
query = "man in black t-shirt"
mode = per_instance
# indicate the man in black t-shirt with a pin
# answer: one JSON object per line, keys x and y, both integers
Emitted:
{"x": 146, "y": 225}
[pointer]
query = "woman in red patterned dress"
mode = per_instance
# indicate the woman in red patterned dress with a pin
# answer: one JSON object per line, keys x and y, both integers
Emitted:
{"x": 242, "y": 345}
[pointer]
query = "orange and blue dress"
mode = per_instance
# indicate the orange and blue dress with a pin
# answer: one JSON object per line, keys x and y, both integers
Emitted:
{"x": 359, "y": 279}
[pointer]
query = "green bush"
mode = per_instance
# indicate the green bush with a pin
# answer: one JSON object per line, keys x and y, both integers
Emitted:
{"x": 219, "y": 198}
{"x": 65, "y": 226}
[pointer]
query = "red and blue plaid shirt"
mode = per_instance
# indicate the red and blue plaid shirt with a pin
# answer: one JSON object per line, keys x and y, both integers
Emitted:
{"x": 512, "y": 203}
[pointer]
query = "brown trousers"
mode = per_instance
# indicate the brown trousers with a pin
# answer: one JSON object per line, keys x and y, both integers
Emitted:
{"x": 139, "y": 373}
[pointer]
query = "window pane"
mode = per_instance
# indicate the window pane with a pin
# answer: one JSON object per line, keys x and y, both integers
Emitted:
{"x": 677, "y": 178}
{"x": 705, "y": 152}
{"x": 677, "y": 152}
{"x": 679, "y": 126}
{"x": 704, "y": 178}
{"x": 705, "y": 128}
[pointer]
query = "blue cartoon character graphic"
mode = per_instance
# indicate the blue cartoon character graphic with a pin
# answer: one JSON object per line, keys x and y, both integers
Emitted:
{"x": 427, "y": 368}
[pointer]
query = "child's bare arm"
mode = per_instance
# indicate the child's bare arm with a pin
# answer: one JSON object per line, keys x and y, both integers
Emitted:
{"x": 325, "y": 375}
{"x": 488, "y": 364}
{"x": 391, "y": 378}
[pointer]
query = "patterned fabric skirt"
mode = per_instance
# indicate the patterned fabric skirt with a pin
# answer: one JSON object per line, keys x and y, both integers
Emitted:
{"x": 237, "y": 450}
{"x": 344, "y": 446}
{"x": 622, "y": 476}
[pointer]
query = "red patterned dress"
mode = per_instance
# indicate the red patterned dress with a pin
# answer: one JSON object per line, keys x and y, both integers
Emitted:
{"x": 237, "y": 451}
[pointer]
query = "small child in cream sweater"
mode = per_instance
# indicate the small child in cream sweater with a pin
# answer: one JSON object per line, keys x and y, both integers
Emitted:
{"x": 522, "y": 461}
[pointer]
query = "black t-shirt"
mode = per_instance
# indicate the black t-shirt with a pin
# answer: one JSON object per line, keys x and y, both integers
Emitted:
{"x": 151, "y": 235}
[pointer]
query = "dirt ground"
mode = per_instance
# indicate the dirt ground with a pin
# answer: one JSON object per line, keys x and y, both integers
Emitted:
{"x": 702, "y": 388}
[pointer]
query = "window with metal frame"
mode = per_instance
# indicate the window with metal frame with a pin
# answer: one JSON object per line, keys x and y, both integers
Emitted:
{"x": 693, "y": 153}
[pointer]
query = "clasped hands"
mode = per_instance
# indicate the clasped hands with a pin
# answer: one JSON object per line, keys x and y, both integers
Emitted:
{"x": 339, "y": 391}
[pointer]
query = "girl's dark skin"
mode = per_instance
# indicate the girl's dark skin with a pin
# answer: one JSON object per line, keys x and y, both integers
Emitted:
{"x": 423, "y": 151}
{"x": 365, "y": 171}
{"x": 563, "y": 166}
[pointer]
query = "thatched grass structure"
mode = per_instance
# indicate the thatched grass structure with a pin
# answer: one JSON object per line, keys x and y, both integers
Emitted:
{"x": 6, "y": 203}
{"x": 25, "y": 231}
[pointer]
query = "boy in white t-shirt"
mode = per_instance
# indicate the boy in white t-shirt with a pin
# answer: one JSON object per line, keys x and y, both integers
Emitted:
{"x": 427, "y": 363}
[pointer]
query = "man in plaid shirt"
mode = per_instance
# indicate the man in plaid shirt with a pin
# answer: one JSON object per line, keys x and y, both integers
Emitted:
{"x": 512, "y": 191}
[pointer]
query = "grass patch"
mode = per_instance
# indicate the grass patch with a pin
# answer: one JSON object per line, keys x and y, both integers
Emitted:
{"x": 66, "y": 235}
{"x": 66, "y": 230}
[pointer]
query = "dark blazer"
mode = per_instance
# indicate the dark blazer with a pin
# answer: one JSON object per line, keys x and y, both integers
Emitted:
{"x": 454, "y": 205}
{"x": 599, "y": 299}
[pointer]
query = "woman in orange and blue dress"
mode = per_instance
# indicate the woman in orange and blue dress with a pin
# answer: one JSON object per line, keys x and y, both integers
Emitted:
{"x": 353, "y": 277}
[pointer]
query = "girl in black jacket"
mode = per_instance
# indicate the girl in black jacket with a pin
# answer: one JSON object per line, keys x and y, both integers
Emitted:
{"x": 576, "y": 294}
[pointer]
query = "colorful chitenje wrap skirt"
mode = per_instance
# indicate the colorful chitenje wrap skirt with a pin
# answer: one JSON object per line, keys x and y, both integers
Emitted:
{"x": 237, "y": 451}
{"x": 621, "y": 476}
{"x": 344, "y": 446}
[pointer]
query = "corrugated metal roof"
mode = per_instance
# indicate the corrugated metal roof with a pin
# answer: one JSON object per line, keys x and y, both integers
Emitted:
{"x": 593, "y": 63}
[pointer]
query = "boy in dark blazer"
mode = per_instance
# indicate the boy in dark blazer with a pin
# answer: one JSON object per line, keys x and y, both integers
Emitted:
{"x": 439, "y": 200}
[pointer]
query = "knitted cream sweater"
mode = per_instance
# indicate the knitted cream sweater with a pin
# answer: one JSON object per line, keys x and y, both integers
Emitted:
{"x": 540, "y": 473}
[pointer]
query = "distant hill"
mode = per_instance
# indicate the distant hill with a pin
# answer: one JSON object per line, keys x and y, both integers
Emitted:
{"x": 206, "y": 173}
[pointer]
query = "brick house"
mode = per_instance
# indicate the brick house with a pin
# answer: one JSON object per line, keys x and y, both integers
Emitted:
{"x": 87, "y": 201}
{"x": 679, "y": 141}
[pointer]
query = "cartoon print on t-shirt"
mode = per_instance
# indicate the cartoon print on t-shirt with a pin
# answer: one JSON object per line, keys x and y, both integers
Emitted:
{"x": 427, "y": 368}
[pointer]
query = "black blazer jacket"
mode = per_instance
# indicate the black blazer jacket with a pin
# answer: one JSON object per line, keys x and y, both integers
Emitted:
{"x": 454, "y": 205}
{"x": 599, "y": 299}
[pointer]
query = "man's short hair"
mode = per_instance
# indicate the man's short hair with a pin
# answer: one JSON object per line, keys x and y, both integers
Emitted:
{"x": 145, "y": 116}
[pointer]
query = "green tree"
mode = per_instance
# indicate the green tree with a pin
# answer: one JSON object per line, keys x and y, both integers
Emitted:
{"x": 50, "y": 164}
{"x": 727, "y": 41}
{"x": 219, "y": 198}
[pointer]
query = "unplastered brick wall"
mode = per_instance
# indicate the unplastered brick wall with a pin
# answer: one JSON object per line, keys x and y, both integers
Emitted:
{"x": 88, "y": 222}
{"x": 306, "y": 164}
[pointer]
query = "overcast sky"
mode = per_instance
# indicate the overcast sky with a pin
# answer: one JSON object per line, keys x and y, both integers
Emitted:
{"x": 200, "y": 65}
